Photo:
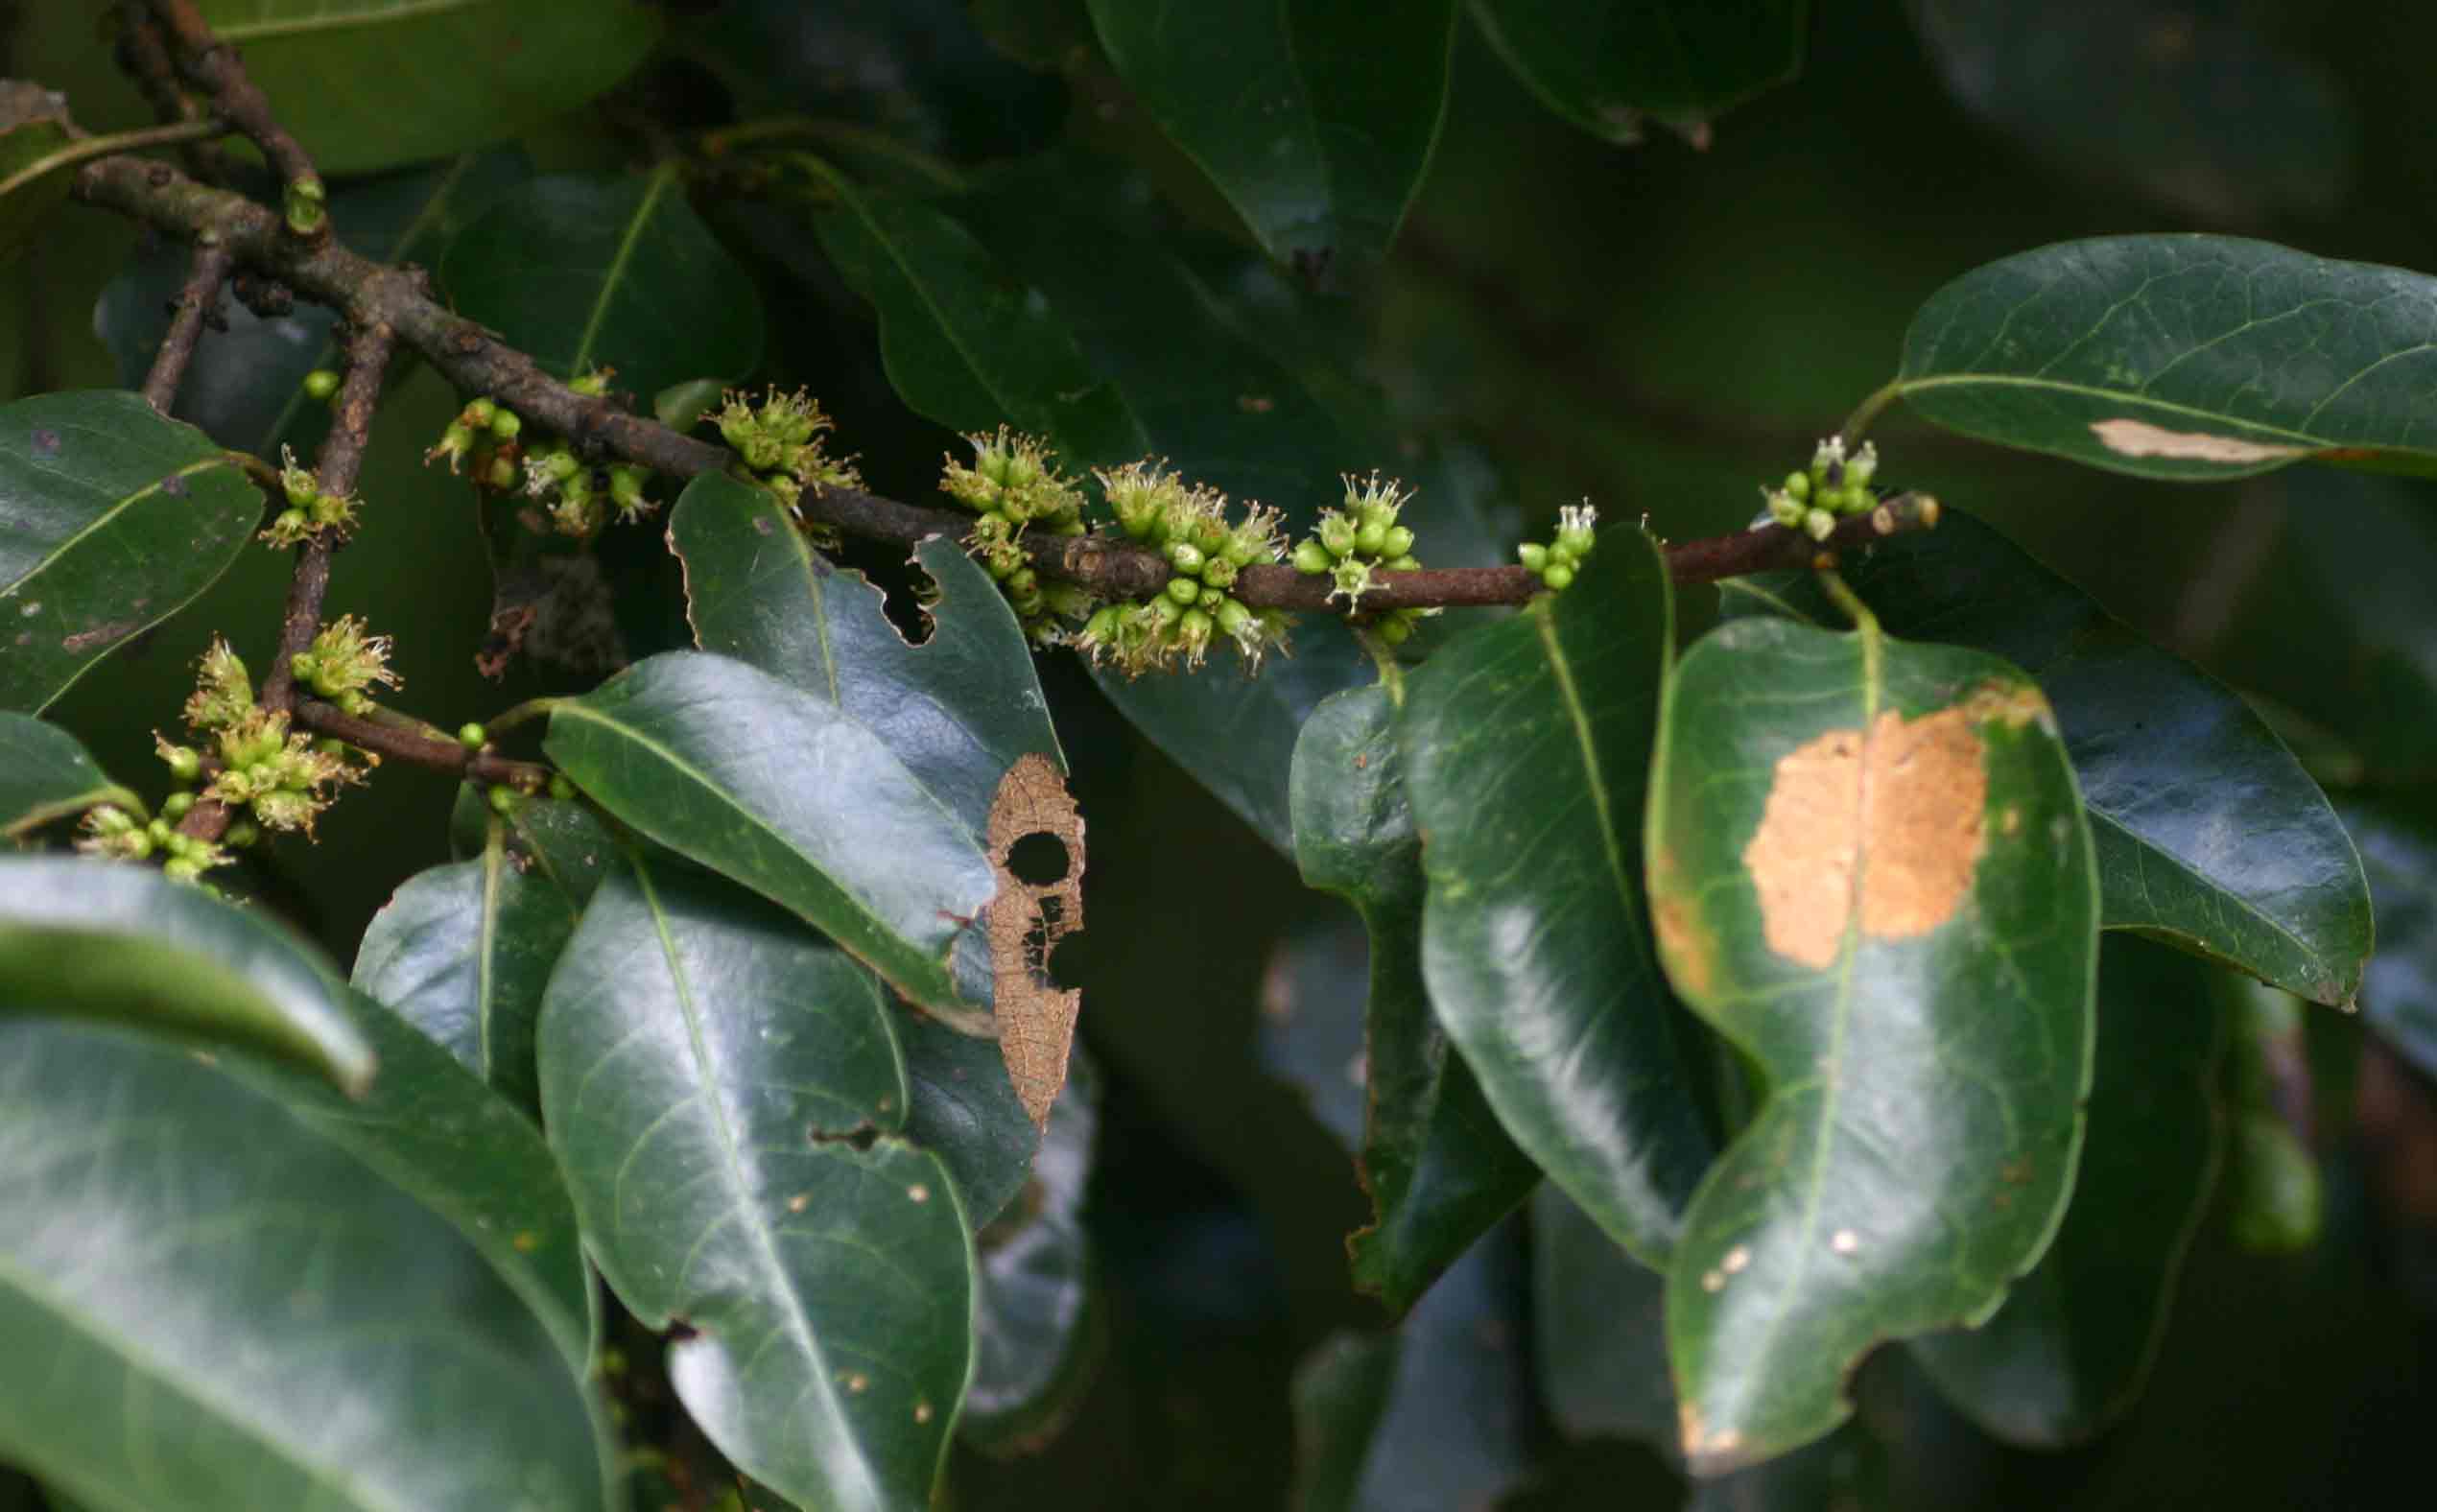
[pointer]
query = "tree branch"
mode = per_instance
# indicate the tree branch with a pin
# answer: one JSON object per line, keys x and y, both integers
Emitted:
{"x": 368, "y": 349}
{"x": 212, "y": 65}
{"x": 196, "y": 303}
{"x": 436, "y": 752}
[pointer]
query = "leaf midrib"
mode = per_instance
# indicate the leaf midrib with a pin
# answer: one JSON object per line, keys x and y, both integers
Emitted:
{"x": 2124, "y": 396}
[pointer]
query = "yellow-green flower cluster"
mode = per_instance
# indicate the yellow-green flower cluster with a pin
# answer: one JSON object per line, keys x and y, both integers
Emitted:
{"x": 1558, "y": 561}
{"x": 1188, "y": 524}
{"x": 1014, "y": 486}
{"x": 342, "y": 662}
{"x": 309, "y": 511}
{"x": 1835, "y": 485}
{"x": 780, "y": 441}
{"x": 1350, "y": 543}
{"x": 282, "y": 777}
{"x": 111, "y": 831}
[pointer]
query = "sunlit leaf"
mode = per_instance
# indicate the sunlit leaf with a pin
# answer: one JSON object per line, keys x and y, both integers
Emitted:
{"x": 1438, "y": 1166}
{"x": 1871, "y": 874}
{"x": 2210, "y": 834}
{"x": 111, "y": 518}
{"x": 1525, "y": 747}
{"x": 727, "y": 1097}
{"x": 2186, "y": 357}
{"x": 2070, "y": 1349}
{"x": 45, "y": 776}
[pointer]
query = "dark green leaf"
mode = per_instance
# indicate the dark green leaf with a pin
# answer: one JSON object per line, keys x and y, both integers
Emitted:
{"x": 959, "y": 709}
{"x": 1526, "y": 748}
{"x": 565, "y": 845}
{"x": 116, "y": 941}
{"x": 1039, "y": 1322}
{"x": 111, "y": 518}
{"x": 745, "y": 774}
{"x": 2181, "y": 357}
{"x": 1438, "y": 1166}
{"x": 464, "y": 952}
{"x": 965, "y": 344}
{"x": 1604, "y": 67}
{"x": 1435, "y": 1414}
{"x": 32, "y": 128}
{"x": 1598, "y": 1329}
{"x": 2071, "y": 1347}
{"x": 965, "y": 1111}
{"x": 2210, "y": 834}
{"x": 213, "y": 1305}
{"x": 2399, "y": 993}
{"x": 244, "y": 386}
{"x": 381, "y": 83}
{"x": 726, "y": 1096}
{"x": 46, "y": 775}
{"x": 2223, "y": 125}
{"x": 584, "y": 272}
{"x": 1315, "y": 120}
{"x": 1871, "y": 873}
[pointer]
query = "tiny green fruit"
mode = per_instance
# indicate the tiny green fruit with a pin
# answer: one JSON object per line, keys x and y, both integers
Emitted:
{"x": 1533, "y": 555}
{"x": 1397, "y": 542}
{"x": 1558, "y": 576}
{"x": 472, "y": 735}
{"x": 177, "y": 805}
{"x": 1183, "y": 590}
{"x": 504, "y": 800}
{"x": 1312, "y": 559}
{"x": 321, "y": 383}
{"x": 561, "y": 789}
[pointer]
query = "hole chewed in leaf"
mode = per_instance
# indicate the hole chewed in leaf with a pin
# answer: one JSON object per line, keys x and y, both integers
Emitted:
{"x": 2140, "y": 439}
{"x": 1896, "y": 812}
{"x": 1026, "y": 920}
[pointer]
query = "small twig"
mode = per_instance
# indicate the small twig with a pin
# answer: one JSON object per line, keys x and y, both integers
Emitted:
{"x": 1773, "y": 547}
{"x": 196, "y": 301}
{"x": 144, "y": 54}
{"x": 84, "y": 149}
{"x": 394, "y": 740}
{"x": 368, "y": 349}
{"x": 212, "y": 64}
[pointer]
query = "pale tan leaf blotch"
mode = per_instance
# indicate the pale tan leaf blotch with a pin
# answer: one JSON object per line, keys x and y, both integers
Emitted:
{"x": 2141, "y": 438}
{"x": 1026, "y": 920}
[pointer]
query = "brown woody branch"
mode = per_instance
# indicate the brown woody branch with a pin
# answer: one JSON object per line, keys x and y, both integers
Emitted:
{"x": 476, "y": 361}
{"x": 196, "y": 303}
{"x": 368, "y": 349}
{"x": 439, "y": 753}
{"x": 143, "y": 52}
{"x": 212, "y": 65}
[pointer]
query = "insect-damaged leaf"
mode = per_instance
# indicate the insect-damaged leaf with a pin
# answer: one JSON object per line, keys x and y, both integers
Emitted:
{"x": 728, "y": 1100}
{"x": 2183, "y": 357}
{"x": 2210, "y": 834}
{"x": 1526, "y": 745}
{"x": 734, "y": 770}
{"x": 1870, "y": 872}
{"x": 1438, "y": 1167}
{"x": 1026, "y": 921}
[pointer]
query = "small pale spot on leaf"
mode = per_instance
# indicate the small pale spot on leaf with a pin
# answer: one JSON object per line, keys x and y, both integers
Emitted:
{"x": 922, "y": 1411}
{"x": 1844, "y": 1242}
{"x": 526, "y": 1241}
{"x": 1026, "y": 920}
{"x": 918, "y": 1193}
{"x": 857, "y": 1380}
{"x": 2141, "y": 438}
{"x": 1713, "y": 1281}
{"x": 1736, "y": 1259}
{"x": 799, "y": 1202}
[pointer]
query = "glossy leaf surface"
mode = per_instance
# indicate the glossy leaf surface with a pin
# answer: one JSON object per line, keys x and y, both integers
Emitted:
{"x": 783, "y": 792}
{"x": 1525, "y": 747}
{"x": 1871, "y": 874}
{"x": 1438, "y": 1167}
{"x": 46, "y": 775}
{"x": 564, "y": 844}
{"x": 108, "y": 940}
{"x": 244, "y": 386}
{"x": 2070, "y": 1349}
{"x": 1315, "y": 119}
{"x": 2186, "y": 357}
{"x": 584, "y": 272}
{"x": 727, "y": 1097}
{"x": 2210, "y": 834}
{"x": 463, "y": 952}
{"x": 111, "y": 518}
{"x": 2399, "y": 994}
{"x": 1605, "y": 66}
{"x": 366, "y": 85}
{"x": 1039, "y": 1325}
{"x": 210, "y": 1304}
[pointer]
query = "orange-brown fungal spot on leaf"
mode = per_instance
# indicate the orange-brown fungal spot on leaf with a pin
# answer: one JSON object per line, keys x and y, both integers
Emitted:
{"x": 1026, "y": 920}
{"x": 1886, "y": 823}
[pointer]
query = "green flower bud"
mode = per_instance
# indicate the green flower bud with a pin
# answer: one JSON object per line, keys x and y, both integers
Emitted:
{"x": 504, "y": 800}
{"x": 1395, "y": 628}
{"x": 507, "y": 425}
{"x": 1533, "y": 555}
{"x": 501, "y": 475}
{"x": 110, "y": 820}
{"x": 1210, "y": 598}
{"x": 1169, "y": 608}
{"x": 477, "y": 413}
{"x": 1101, "y": 627}
{"x": 330, "y": 746}
{"x": 321, "y": 383}
{"x": 1186, "y": 555}
{"x": 1397, "y": 541}
{"x": 1183, "y": 590}
{"x": 1787, "y": 509}
{"x": 1232, "y": 618}
{"x": 1404, "y": 564}
{"x": 473, "y": 737}
{"x": 182, "y": 868}
{"x": 1312, "y": 559}
{"x": 1219, "y": 572}
{"x": 177, "y": 804}
{"x": 1558, "y": 576}
{"x": 1024, "y": 580}
{"x": 185, "y": 763}
{"x": 1820, "y": 524}
{"x": 158, "y": 832}
{"x": 1798, "y": 485}
{"x": 1370, "y": 537}
{"x": 241, "y": 834}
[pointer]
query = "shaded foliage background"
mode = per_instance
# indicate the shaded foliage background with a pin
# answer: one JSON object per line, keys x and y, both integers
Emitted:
{"x": 1658, "y": 328}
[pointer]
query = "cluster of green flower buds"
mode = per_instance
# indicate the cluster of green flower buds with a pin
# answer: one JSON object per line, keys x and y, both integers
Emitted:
{"x": 342, "y": 662}
{"x": 1350, "y": 543}
{"x": 111, "y": 831}
{"x": 1014, "y": 486}
{"x": 780, "y": 440}
{"x": 1188, "y": 524}
{"x": 308, "y": 510}
{"x": 482, "y": 421}
{"x": 1558, "y": 561}
{"x": 283, "y": 778}
{"x": 1836, "y": 485}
